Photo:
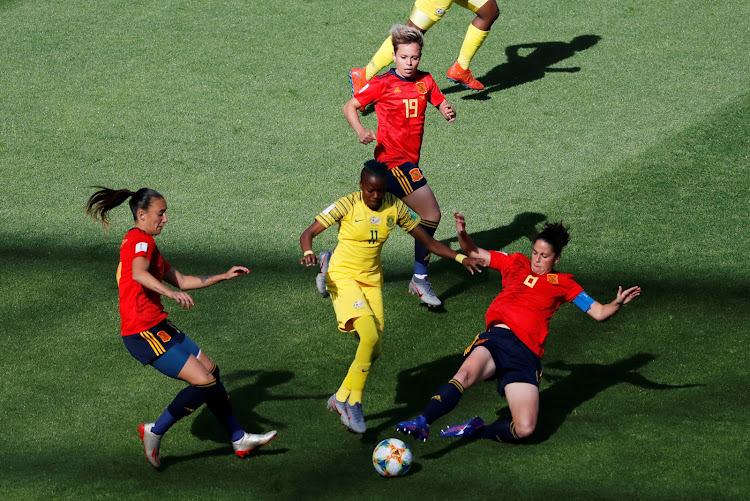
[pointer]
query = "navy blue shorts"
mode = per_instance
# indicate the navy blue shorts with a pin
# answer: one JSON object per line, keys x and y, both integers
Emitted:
{"x": 151, "y": 344}
{"x": 405, "y": 179}
{"x": 514, "y": 361}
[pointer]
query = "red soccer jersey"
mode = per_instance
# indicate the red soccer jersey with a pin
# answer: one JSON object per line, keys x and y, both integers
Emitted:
{"x": 528, "y": 301}
{"x": 400, "y": 105}
{"x": 140, "y": 308}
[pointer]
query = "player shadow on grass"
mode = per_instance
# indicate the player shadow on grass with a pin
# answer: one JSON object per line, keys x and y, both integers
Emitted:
{"x": 582, "y": 383}
{"x": 245, "y": 398}
{"x": 539, "y": 60}
{"x": 411, "y": 393}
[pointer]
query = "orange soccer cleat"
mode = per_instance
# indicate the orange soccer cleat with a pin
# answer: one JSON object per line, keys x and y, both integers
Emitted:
{"x": 358, "y": 79}
{"x": 461, "y": 76}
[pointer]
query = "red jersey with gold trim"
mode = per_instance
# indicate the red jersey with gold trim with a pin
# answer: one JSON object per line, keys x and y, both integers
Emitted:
{"x": 400, "y": 105}
{"x": 140, "y": 308}
{"x": 528, "y": 301}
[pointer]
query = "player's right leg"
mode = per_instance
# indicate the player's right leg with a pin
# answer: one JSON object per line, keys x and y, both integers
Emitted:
{"x": 486, "y": 14}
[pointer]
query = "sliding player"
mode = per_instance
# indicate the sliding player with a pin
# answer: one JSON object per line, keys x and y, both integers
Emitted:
{"x": 512, "y": 347}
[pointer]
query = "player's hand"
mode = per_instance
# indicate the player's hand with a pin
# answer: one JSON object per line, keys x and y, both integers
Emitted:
{"x": 624, "y": 297}
{"x": 460, "y": 222}
{"x": 448, "y": 111}
{"x": 366, "y": 136}
{"x": 182, "y": 298}
{"x": 473, "y": 264}
{"x": 309, "y": 260}
{"x": 236, "y": 271}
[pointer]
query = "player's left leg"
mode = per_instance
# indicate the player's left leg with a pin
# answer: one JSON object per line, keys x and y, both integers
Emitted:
{"x": 487, "y": 13}
{"x": 523, "y": 400}
{"x": 423, "y": 202}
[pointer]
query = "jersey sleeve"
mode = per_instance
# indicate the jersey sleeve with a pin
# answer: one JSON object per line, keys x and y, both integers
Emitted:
{"x": 407, "y": 219}
{"x": 498, "y": 260}
{"x": 574, "y": 290}
{"x": 336, "y": 211}
{"x": 435, "y": 96}
{"x": 370, "y": 92}
{"x": 142, "y": 245}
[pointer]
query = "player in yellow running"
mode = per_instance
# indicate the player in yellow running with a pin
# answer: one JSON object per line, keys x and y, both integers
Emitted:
{"x": 355, "y": 276}
{"x": 424, "y": 15}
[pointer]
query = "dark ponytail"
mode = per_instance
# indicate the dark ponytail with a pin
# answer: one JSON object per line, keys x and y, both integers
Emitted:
{"x": 106, "y": 199}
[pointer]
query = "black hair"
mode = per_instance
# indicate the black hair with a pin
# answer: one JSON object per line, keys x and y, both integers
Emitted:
{"x": 556, "y": 235}
{"x": 106, "y": 199}
{"x": 373, "y": 168}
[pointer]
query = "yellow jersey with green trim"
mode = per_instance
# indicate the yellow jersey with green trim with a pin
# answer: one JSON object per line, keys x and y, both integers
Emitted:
{"x": 362, "y": 233}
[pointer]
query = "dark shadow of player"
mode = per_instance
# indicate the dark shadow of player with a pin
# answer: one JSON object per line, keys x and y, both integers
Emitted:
{"x": 411, "y": 394}
{"x": 583, "y": 382}
{"x": 534, "y": 65}
{"x": 245, "y": 399}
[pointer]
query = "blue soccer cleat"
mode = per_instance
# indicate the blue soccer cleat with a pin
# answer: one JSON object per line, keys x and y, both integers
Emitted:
{"x": 465, "y": 430}
{"x": 417, "y": 427}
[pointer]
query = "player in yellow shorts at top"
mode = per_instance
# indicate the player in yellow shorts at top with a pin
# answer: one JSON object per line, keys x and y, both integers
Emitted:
{"x": 355, "y": 276}
{"x": 424, "y": 15}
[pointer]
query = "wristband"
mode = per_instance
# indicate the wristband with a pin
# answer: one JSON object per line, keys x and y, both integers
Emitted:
{"x": 307, "y": 253}
{"x": 460, "y": 258}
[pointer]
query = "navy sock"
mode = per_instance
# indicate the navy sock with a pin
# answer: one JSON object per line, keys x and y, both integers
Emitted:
{"x": 443, "y": 401}
{"x": 220, "y": 406}
{"x": 421, "y": 254}
{"x": 165, "y": 422}
{"x": 501, "y": 431}
{"x": 185, "y": 403}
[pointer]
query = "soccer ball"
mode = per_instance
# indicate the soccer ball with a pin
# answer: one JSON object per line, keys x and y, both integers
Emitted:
{"x": 392, "y": 458}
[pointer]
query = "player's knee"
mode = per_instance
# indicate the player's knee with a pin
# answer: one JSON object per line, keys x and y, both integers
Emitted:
{"x": 489, "y": 13}
{"x": 524, "y": 428}
{"x": 465, "y": 377}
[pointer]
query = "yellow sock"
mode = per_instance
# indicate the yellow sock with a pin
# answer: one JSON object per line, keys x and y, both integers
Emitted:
{"x": 382, "y": 58}
{"x": 473, "y": 40}
{"x": 344, "y": 390}
{"x": 360, "y": 368}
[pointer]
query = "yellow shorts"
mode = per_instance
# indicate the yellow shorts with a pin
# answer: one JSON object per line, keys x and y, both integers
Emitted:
{"x": 352, "y": 299}
{"x": 428, "y": 12}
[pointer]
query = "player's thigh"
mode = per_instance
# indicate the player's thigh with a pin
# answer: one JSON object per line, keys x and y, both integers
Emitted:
{"x": 374, "y": 297}
{"x": 428, "y": 12}
{"x": 477, "y": 367}
{"x": 423, "y": 202}
{"x": 349, "y": 301}
{"x": 523, "y": 401}
{"x": 194, "y": 372}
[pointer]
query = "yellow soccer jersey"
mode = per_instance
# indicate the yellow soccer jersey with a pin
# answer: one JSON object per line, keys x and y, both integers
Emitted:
{"x": 362, "y": 233}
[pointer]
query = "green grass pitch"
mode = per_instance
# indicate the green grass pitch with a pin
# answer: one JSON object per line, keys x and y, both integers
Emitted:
{"x": 639, "y": 141}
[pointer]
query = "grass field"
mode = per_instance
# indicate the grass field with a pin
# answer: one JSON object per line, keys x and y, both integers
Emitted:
{"x": 232, "y": 110}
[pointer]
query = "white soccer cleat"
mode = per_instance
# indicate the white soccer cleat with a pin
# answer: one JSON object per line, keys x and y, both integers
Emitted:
{"x": 423, "y": 288}
{"x": 250, "y": 441}
{"x": 151, "y": 443}
{"x": 320, "y": 280}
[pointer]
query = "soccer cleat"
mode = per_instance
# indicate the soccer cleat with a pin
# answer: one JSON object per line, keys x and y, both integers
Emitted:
{"x": 355, "y": 417}
{"x": 151, "y": 443}
{"x": 250, "y": 441}
{"x": 423, "y": 288}
{"x": 461, "y": 76}
{"x": 320, "y": 280}
{"x": 340, "y": 407}
{"x": 417, "y": 427}
{"x": 467, "y": 429}
{"x": 358, "y": 79}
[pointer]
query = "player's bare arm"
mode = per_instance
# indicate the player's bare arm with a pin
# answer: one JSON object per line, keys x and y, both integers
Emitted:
{"x": 365, "y": 136}
{"x": 470, "y": 263}
{"x": 602, "y": 312}
{"x": 447, "y": 110}
{"x": 188, "y": 282}
{"x": 147, "y": 280}
{"x": 305, "y": 241}
{"x": 467, "y": 244}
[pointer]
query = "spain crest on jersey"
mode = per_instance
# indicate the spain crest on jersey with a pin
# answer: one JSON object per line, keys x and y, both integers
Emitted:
{"x": 421, "y": 87}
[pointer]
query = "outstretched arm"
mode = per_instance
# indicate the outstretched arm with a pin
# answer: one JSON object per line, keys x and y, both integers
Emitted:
{"x": 188, "y": 282}
{"x": 602, "y": 312}
{"x": 467, "y": 244}
{"x": 442, "y": 250}
{"x": 305, "y": 241}
{"x": 365, "y": 136}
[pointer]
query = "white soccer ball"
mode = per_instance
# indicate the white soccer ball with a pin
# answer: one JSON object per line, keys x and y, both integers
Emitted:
{"x": 392, "y": 458}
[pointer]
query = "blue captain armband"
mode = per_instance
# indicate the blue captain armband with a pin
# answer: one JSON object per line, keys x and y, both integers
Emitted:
{"x": 584, "y": 301}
